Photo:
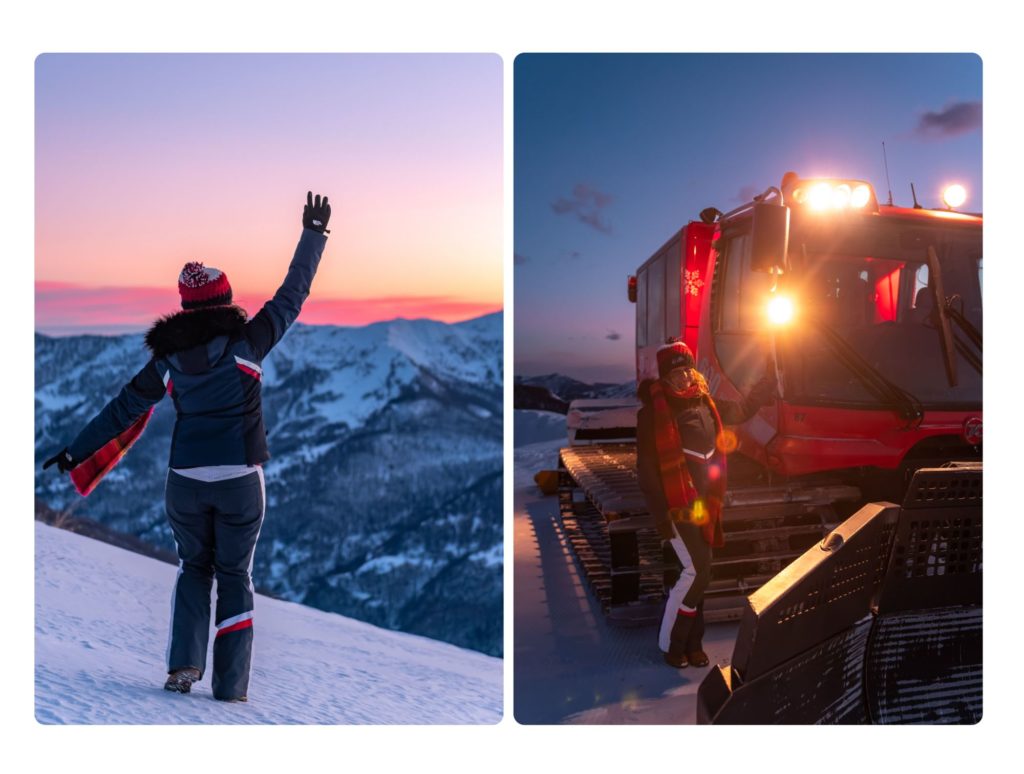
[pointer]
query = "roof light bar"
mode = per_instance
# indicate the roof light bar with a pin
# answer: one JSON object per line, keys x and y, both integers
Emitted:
{"x": 830, "y": 194}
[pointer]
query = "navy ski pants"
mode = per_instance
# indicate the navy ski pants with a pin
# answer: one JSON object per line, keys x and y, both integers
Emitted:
{"x": 216, "y": 525}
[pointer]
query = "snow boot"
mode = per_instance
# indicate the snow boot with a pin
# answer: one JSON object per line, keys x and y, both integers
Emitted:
{"x": 180, "y": 680}
{"x": 678, "y": 653}
{"x": 676, "y": 660}
{"x": 698, "y": 658}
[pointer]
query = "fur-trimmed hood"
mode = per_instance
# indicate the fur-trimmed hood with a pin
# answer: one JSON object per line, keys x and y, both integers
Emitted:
{"x": 184, "y": 330}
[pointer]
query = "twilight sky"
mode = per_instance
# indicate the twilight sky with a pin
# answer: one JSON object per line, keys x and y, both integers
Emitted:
{"x": 144, "y": 162}
{"x": 614, "y": 153}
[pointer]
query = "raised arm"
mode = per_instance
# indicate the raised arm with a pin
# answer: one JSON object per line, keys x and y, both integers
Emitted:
{"x": 267, "y": 327}
{"x": 739, "y": 411}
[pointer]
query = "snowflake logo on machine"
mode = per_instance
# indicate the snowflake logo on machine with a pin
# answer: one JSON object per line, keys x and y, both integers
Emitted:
{"x": 693, "y": 283}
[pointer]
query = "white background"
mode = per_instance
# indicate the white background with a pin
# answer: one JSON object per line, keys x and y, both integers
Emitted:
{"x": 509, "y": 28}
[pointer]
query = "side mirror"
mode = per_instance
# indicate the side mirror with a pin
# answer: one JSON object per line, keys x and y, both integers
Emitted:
{"x": 769, "y": 239}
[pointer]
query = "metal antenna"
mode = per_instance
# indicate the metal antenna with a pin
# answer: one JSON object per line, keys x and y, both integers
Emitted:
{"x": 887, "y": 183}
{"x": 914, "y": 194}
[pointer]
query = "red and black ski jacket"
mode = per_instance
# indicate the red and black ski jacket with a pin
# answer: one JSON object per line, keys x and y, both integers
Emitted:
{"x": 698, "y": 433}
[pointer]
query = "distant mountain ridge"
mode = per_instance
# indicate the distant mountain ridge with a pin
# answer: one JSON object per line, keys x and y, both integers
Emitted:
{"x": 554, "y": 392}
{"x": 397, "y": 429}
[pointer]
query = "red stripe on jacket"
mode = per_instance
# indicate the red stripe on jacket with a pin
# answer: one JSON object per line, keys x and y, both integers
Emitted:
{"x": 254, "y": 374}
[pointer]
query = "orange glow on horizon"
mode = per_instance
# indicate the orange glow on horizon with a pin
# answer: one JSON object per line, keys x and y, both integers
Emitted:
{"x": 63, "y": 307}
{"x": 408, "y": 148}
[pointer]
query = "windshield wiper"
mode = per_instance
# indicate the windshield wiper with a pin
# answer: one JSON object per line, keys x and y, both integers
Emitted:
{"x": 939, "y": 299}
{"x": 904, "y": 403}
{"x": 972, "y": 333}
{"x": 973, "y": 359}
{"x": 966, "y": 325}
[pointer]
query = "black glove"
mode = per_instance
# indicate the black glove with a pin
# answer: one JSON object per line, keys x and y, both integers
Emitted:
{"x": 763, "y": 393}
{"x": 316, "y": 214}
{"x": 62, "y": 459}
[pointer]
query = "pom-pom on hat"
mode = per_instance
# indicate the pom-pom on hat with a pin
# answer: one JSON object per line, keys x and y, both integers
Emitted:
{"x": 674, "y": 355}
{"x": 203, "y": 286}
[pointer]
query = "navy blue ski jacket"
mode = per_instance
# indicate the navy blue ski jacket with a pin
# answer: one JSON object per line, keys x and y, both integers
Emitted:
{"x": 209, "y": 361}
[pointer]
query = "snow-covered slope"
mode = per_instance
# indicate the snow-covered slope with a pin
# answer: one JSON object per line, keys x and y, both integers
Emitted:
{"x": 530, "y": 426}
{"x": 384, "y": 486}
{"x": 571, "y": 665}
{"x": 101, "y": 629}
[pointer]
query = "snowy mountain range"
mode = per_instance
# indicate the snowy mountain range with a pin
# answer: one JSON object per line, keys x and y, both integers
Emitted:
{"x": 101, "y": 629}
{"x": 384, "y": 491}
{"x": 554, "y": 392}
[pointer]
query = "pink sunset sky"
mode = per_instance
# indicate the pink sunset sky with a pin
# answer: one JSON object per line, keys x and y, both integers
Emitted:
{"x": 144, "y": 162}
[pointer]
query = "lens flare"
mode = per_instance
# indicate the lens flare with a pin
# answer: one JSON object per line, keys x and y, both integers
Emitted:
{"x": 699, "y": 512}
{"x": 727, "y": 442}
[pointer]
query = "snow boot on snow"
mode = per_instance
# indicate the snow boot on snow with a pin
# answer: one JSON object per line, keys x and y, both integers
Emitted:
{"x": 676, "y": 658}
{"x": 678, "y": 661}
{"x": 697, "y": 658}
{"x": 180, "y": 680}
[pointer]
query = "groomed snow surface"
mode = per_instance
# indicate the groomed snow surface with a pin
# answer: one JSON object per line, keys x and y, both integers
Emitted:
{"x": 102, "y": 618}
{"x": 571, "y": 665}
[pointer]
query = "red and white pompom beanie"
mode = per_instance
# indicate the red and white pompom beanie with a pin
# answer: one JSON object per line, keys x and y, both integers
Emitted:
{"x": 203, "y": 286}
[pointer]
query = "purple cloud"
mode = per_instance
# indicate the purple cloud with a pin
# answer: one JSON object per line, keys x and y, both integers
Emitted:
{"x": 586, "y": 203}
{"x": 958, "y": 118}
{"x": 746, "y": 193}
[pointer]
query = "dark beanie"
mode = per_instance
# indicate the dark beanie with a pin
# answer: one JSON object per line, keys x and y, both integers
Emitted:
{"x": 674, "y": 355}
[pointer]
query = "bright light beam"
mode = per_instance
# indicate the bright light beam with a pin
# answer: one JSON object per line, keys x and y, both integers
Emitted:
{"x": 954, "y": 195}
{"x": 780, "y": 310}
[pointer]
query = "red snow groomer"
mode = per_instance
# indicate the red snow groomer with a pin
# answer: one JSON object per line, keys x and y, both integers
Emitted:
{"x": 869, "y": 315}
{"x": 869, "y": 319}
{"x": 853, "y": 512}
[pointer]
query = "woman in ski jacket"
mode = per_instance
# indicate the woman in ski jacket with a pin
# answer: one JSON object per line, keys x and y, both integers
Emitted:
{"x": 681, "y": 464}
{"x": 207, "y": 358}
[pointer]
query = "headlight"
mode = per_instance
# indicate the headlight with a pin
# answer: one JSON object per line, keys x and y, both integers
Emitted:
{"x": 954, "y": 196}
{"x": 830, "y": 194}
{"x": 861, "y": 196}
{"x": 780, "y": 310}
